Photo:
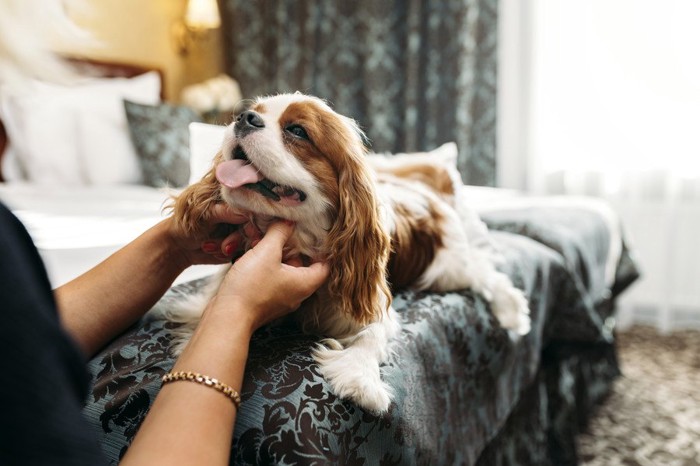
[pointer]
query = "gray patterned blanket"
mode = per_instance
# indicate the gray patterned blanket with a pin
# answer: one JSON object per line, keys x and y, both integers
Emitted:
{"x": 457, "y": 375}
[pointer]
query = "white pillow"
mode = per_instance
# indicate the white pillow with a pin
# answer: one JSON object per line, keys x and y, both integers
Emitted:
{"x": 446, "y": 155}
{"x": 205, "y": 142}
{"x": 78, "y": 134}
{"x": 108, "y": 155}
{"x": 42, "y": 130}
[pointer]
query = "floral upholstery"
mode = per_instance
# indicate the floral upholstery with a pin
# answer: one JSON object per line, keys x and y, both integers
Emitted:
{"x": 464, "y": 387}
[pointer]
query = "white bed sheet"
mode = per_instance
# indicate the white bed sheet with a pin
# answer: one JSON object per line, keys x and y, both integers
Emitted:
{"x": 76, "y": 228}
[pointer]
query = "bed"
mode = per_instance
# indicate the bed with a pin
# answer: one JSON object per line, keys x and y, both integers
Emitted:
{"x": 467, "y": 392}
{"x": 52, "y": 180}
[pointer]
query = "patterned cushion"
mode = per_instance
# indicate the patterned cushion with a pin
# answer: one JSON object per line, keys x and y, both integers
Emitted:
{"x": 161, "y": 137}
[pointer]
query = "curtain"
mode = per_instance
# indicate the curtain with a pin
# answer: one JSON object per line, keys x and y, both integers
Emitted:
{"x": 414, "y": 73}
{"x": 608, "y": 102}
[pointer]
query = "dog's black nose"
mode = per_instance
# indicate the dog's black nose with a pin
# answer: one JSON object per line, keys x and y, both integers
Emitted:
{"x": 248, "y": 122}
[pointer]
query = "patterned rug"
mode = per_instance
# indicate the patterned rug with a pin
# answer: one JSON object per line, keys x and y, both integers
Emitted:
{"x": 652, "y": 417}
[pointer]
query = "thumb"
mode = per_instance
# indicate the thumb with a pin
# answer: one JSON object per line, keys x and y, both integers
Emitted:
{"x": 317, "y": 273}
{"x": 309, "y": 278}
{"x": 276, "y": 236}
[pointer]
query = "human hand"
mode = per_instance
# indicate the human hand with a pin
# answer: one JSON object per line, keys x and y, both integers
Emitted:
{"x": 218, "y": 239}
{"x": 260, "y": 287}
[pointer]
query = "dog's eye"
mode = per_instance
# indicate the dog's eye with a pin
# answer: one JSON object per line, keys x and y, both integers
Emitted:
{"x": 297, "y": 131}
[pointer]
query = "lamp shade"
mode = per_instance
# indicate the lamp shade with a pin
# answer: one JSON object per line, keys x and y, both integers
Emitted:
{"x": 202, "y": 14}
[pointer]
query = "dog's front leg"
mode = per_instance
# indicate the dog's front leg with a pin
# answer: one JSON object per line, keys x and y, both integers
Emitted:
{"x": 187, "y": 310}
{"x": 351, "y": 365}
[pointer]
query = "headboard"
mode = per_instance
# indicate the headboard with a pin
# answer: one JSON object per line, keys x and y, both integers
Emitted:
{"x": 92, "y": 67}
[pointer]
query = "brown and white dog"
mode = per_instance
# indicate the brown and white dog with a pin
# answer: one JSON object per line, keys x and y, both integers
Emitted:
{"x": 291, "y": 156}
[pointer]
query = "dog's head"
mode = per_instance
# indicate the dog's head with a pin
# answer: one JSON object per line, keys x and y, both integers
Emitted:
{"x": 285, "y": 157}
{"x": 291, "y": 156}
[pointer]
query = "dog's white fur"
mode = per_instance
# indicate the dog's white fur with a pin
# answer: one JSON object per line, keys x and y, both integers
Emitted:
{"x": 343, "y": 193}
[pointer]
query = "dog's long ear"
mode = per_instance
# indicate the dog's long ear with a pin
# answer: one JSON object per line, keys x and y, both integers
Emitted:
{"x": 359, "y": 245}
{"x": 191, "y": 206}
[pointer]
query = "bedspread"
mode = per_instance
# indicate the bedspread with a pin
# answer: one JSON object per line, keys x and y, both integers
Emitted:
{"x": 457, "y": 375}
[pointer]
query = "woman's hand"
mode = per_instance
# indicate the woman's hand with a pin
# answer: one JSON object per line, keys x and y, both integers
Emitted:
{"x": 214, "y": 243}
{"x": 191, "y": 424}
{"x": 260, "y": 287}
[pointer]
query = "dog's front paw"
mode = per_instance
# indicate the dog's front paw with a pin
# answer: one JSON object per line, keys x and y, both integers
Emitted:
{"x": 180, "y": 336}
{"x": 354, "y": 375}
{"x": 177, "y": 346}
{"x": 510, "y": 307}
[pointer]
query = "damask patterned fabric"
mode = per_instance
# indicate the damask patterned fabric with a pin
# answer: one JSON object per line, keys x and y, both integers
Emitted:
{"x": 555, "y": 408}
{"x": 581, "y": 238}
{"x": 460, "y": 379}
{"x": 161, "y": 137}
{"x": 415, "y": 74}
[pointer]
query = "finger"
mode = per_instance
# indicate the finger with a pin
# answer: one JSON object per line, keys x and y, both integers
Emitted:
{"x": 276, "y": 237}
{"x": 231, "y": 243}
{"x": 223, "y": 213}
{"x": 251, "y": 231}
{"x": 317, "y": 273}
{"x": 294, "y": 261}
{"x": 210, "y": 247}
{"x": 311, "y": 277}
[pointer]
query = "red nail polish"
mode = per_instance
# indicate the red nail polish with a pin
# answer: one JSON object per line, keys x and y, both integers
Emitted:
{"x": 228, "y": 249}
{"x": 209, "y": 246}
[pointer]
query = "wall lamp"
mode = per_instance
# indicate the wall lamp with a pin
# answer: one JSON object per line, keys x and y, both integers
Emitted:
{"x": 201, "y": 16}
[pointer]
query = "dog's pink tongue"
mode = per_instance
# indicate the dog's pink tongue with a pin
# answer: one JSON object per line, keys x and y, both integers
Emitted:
{"x": 235, "y": 173}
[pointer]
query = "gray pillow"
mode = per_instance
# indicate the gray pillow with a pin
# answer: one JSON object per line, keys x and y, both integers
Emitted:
{"x": 161, "y": 138}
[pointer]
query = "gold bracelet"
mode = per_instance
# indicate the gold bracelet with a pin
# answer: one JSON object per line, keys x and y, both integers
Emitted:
{"x": 204, "y": 380}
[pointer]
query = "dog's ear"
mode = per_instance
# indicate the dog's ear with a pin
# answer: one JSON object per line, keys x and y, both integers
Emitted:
{"x": 191, "y": 207}
{"x": 359, "y": 245}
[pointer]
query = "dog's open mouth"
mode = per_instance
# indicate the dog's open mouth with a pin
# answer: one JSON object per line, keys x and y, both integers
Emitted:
{"x": 240, "y": 172}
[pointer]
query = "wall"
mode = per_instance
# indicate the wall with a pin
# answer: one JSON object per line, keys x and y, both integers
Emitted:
{"x": 603, "y": 98}
{"x": 140, "y": 32}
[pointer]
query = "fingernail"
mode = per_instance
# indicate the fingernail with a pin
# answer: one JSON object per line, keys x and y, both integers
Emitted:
{"x": 209, "y": 246}
{"x": 228, "y": 249}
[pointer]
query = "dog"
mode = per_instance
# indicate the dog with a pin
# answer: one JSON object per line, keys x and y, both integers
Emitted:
{"x": 382, "y": 224}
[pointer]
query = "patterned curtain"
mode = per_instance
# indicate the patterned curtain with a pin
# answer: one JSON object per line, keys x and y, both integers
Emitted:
{"x": 414, "y": 73}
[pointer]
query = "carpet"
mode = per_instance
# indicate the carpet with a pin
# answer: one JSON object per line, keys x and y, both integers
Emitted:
{"x": 652, "y": 416}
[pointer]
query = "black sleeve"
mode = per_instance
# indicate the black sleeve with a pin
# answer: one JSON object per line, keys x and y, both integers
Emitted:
{"x": 43, "y": 380}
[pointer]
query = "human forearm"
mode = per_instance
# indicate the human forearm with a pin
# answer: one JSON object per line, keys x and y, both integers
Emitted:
{"x": 193, "y": 424}
{"x": 104, "y": 301}
{"x": 190, "y": 423}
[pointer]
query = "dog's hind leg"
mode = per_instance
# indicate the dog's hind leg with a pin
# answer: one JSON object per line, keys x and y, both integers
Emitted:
{"x": 459, "y": 265}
